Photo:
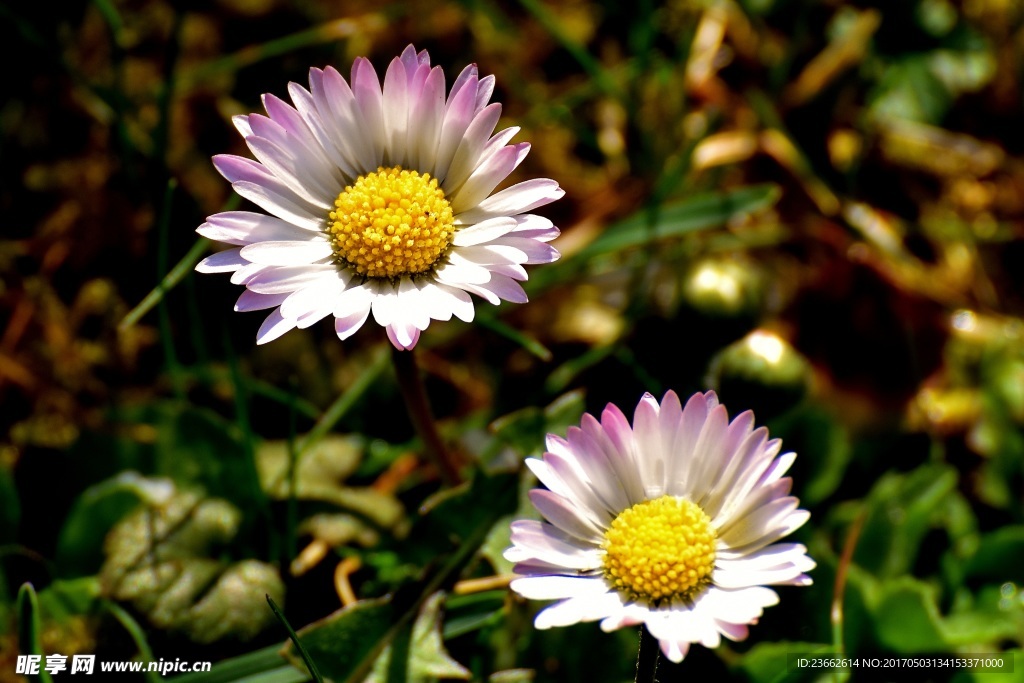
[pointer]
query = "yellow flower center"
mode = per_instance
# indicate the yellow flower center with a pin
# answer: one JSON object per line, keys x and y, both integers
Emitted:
{"x": 391, "y": 222}
{"x": 660, "y": 550}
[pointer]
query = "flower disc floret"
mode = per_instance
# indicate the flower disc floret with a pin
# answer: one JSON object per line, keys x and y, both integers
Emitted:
{"x": 660, "y": 550}
{"x": 391, "y": 223}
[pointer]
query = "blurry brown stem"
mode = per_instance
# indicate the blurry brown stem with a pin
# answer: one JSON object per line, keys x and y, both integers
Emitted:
{"x": 419, "y": 412}
{"x": 839, "y": 587}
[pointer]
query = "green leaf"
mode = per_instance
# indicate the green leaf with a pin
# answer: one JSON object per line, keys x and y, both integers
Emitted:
{"x": 306, "y": 659}
{"x": 198, "y": 446}
{"x": 695, "y": 213}
{"x": 769, "y": 662}
{"x": 267, "y": 665}
{"x": 673, "y": 220}
{"x": 998, "y": 556}
{"x": 907, "y": 617}
{"x": 525, "y": 429}
{"x": 901, "y": 510}
{"x": 158, "y": 558}
{"x": 30, "y": 628}
{"x": 65, "y": 598}
{"x": 428, "y": 660}
{"x": 468, "y": 613}
{"x": 320, "y": 475}
{"x": 346, "y": 644}
{"x": 910, "y": 91}
{"x": 512, "y": 676}
{"x": 94, "y": 513}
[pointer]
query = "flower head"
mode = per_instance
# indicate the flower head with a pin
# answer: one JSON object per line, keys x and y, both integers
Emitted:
{"x": 671, "y": 523}
{"x": 378, "y": 200}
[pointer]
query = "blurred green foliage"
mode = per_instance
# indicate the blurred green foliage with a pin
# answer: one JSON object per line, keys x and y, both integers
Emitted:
{"x": 814, "y": 207}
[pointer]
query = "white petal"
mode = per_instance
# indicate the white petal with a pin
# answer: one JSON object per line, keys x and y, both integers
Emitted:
{"x": 519, "y": 198}
{"x": 246, "y": 227}
{"x": 272, "y": 280}
{"x": 556, "y": 587}
{"x": 227, "y": 261}
{"x": 458, "y": 113}
{"x": 384, "y": 304}
{"x": 319, "y": 296}
{"x": 483, "y": 232}
{"x": 347, "y": 325}
{"x": 428, "y": 113}
{"x": 369, "y": 102}
{"x": 564, "y": 516}
{"x": 403, "y": 336}
{"x": 252, "y": 301}
{"x": 535, "y": 540}
{"x": 304, "y": 179}
{"x": 396, "y": 113}
{"x": 458, "y": 272}
{"x": 487, "y": 176}
{"x": 467, "y": 156}
{"x": 273, "y": 327}
{"x": 288, "y": 253}
{"x": 579, "y": 610}
{"x": 281, "y": 205}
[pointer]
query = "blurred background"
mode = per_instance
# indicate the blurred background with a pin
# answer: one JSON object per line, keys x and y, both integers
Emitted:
{"x": 814, "y": 207}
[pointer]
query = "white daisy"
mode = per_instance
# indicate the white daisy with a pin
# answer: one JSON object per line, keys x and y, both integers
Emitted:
{"x": 671, "y": 523}
{"x": 379, "y": 200}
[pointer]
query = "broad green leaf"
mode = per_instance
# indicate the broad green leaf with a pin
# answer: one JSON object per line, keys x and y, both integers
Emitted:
{"x": 769, "y": 662}
{"x": 998, "y": 557}
{"x": 159, "y": 559}
{"x": 467, "y": 613}
{"x": 525, "y": 429}
{"x": 428, "y": 660}
{"x": 346, "y": 644}
{"x": 64, "y": 598}
{"x": 982, "y": 628}
{"x": 498, "y": 541}
{"x": 94, "y": 513}
{"x": 320, "y": 475}
{"x": 907, "y": 617}
{"x": 901, "y": 510}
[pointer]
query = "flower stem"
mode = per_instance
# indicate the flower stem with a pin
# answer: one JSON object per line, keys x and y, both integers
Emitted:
{"x": 422, "y": 418}
{"x": 647, "y": 657}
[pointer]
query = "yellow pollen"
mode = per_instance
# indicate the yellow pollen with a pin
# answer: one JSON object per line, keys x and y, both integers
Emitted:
{"x": 391, "y": 222}
{"x": 660, "y": 550}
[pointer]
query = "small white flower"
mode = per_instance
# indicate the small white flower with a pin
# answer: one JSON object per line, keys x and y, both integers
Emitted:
{"x": 379, "y": 200}
{"x": 671, "y": 523}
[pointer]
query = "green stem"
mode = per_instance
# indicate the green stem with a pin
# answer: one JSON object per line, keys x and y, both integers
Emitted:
{"x": 647, "y": 657}
{"x": 422, "y": 418}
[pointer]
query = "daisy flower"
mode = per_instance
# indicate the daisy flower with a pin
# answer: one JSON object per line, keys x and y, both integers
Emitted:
{"x": 379, "y": 200}
{"x": 671, "y": 523}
